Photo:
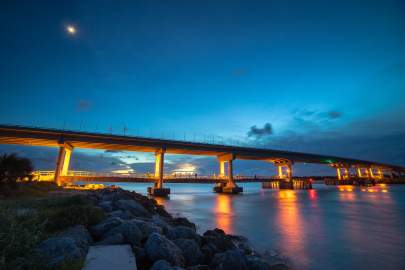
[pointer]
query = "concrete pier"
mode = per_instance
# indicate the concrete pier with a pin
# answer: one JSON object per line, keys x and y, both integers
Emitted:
{"x": 288, "y": 184}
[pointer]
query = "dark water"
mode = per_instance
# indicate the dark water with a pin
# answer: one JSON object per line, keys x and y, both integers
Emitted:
{"x": 324, "y": 228}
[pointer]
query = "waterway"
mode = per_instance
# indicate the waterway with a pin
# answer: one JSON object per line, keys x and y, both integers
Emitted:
{"x": 328, "y": 227}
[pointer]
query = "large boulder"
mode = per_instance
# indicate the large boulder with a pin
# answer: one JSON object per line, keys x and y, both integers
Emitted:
{"x": 183, "y": 232}
{"x": 133, "y": 207}
{"x": 80, "y": 235}
{"x": 106, "y": 206}
{"x": 242, "y": 243}
{"x": 191, "y": 251}
{"x": 101, "y": 228}
{"x": 218, "y": 238}
{"x": 161, "y": 265}
{"x": 161, "y": 222}
{"x": 56, "y": 250}
{"x": 159, "y": 247}
{"x": 112, "y": 239}
{"x": 124, "y": 215}
{"x": 229, "y": 260}
{"x": 142, "y": 260}
{"x": 164, "y": 265}
{"x": 132, "y": 234}
{"x": 147, "y": 227}
{"x": 181, "y": 221}
{"x": 209, "y": 250}
{"x": 199, "y": 267}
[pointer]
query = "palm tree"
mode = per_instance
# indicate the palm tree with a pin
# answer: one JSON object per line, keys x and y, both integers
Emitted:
{"x": 13, "y": 169}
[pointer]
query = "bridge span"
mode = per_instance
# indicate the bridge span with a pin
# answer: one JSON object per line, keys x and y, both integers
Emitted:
{"x": 67, "y": 140}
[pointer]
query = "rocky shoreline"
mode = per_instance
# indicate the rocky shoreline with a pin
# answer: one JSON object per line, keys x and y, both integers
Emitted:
{"x": 159, "y": 240}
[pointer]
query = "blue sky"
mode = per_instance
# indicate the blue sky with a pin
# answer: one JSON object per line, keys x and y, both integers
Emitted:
{"x": 327, "y": 76}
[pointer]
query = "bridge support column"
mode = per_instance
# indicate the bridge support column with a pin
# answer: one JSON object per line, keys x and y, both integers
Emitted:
{"x": 284, "y": 171}
{"x": 339, "y": 176}
{"x": 222, "y": 169}
{"x": 158, "y": 189}
{"x": 359, "y": 173}
{"x": 229, "y": 186}
{"x": 62, "y": 163}
{"x": 380, "y": 173}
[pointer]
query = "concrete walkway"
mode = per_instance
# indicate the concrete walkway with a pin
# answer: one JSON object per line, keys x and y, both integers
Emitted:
{"x": 110, "y": 258}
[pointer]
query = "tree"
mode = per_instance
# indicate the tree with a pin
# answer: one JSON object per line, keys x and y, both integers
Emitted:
{"x": 13, "y": 169}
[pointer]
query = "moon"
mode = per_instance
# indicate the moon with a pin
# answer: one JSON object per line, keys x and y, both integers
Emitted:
{"x": 71, "y": 29}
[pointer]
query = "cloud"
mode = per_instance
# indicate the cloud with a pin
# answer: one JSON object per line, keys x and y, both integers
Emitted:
{"x": 113, "y": 151}
{"x": 83, "y": 105}
{"x": 334, "y": 114}
{"x": 258, "y": 133}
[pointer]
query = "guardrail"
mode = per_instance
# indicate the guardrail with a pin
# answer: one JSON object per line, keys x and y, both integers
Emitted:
{"x": 50, "y": 174}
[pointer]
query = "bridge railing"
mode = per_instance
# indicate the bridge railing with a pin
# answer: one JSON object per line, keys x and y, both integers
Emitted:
{"x": 46, "y": 175}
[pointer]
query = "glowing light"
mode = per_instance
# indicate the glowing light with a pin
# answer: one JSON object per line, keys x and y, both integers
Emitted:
{"x": 71, "y": 29}
{"x": 223, "y": 213}
{"x": 185, "y": 169}
{"x": 312, "y": 194}
{"x": 124, "y": 171}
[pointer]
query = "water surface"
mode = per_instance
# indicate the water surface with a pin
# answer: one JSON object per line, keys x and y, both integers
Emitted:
{"x": 324, "y": 228}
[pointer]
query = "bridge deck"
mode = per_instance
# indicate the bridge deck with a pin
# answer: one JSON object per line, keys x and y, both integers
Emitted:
{"x": 54, "y": 137}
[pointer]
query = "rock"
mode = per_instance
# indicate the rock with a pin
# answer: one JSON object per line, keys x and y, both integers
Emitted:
{"x": 147, "y": 227}
{"x": 209, "y": 250}
{"x": 256, "y": 263}
{"x": 161, "y": 265}
{"x": 180, "y": 221}
{"x": 80, "y": 235}
{"x": 134, "y": 207}
{"x": 183, "y": 232}
{"x": 159, "y": 221}
{"x": 56, "y": 250}
{"x": 159, "y": 247}
{"x": 229, "y": 260}
{"x": 100, "y": 229}
{"x": 112, "y": 239}
{"x": 199, "y": 267}
{"x": 130, "y": 231}
{"x": 191, "y": 251}
{"x": 142, "y": 260}
{"x": 219, "y": 239}
{"x": 106, "y": 206}
{"x": 124, "y": 215}
{"x": 242, "y": 243}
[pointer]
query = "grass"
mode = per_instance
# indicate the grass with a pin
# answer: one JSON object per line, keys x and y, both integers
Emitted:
{"x": 32, "y": 215}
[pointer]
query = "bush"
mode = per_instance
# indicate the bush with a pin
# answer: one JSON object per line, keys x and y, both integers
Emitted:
{"x": 62, "y": 218}
{"x": 18, "y": 238}
{"x": 13, "y": 169}
{"x": 25, "y": 222}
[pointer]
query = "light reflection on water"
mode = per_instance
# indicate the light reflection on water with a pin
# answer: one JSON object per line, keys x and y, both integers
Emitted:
{"x": 326, "y": 228}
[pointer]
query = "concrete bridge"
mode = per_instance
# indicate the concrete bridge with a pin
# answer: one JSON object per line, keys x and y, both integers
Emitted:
{"x": 67, "y": 140}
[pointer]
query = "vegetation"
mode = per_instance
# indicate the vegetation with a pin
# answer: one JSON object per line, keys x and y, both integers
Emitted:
{"x": 13, "y": 169}
{"x": 33, "y": 214}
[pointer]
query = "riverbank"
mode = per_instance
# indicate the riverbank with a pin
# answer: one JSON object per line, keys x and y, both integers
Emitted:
{"x": 81, "y": 218}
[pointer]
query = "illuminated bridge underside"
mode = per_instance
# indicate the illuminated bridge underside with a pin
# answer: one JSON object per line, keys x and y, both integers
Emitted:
{"x": 54, "y": 138}
{"x": 204, "y": 180}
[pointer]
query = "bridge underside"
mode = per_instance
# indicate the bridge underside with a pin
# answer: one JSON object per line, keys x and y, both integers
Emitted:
{"x": 206, "y": 180}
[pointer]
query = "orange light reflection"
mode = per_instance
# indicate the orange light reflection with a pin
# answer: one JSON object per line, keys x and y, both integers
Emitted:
{"x": 223, "y": 212}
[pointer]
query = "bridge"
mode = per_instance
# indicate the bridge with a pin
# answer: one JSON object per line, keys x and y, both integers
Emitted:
{"x": 67, "y": 140}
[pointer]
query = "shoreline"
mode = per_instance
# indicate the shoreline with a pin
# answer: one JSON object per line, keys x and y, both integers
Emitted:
{"x": 158, "y": 239}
